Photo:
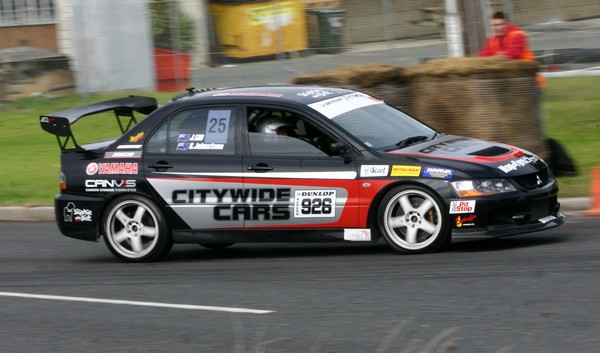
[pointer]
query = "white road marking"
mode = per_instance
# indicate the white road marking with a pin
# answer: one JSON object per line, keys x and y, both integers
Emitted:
{"x": 130, "y": 302}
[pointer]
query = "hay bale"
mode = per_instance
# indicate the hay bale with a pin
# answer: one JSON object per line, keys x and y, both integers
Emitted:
{"x": 386, "y": 82}
{"x": 488, "y": 98}
{"x": 482, "y": 67}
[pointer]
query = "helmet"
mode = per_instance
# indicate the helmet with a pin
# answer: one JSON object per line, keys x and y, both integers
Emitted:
{"x": 270, "y": 125}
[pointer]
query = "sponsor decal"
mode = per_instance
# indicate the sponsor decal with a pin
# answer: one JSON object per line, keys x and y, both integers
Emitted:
{"x": 186, "y": 146}
{"x": 123, "y": 154}
{"x": 315, "y": 93}
{"x": 442, "y": 173}
{"x": 333, "y": 107}
{"x": 518, "y": 163}
{"x": 374, "y": 170}
{"x": 46, "y": 119}
{"x": 465, "y": 221}
{"x": 462, "y": 207}
{"x": 314, "y": 203}
{"x": 357, "y": 234}
{"x": 103, "y": 185}
{"x": 236, "y": 204}
{"x": 73, "y": 214}
{"x": 111, "y": 168}
{"x": 405, "y": 170}
{"x": 136, "y": 138}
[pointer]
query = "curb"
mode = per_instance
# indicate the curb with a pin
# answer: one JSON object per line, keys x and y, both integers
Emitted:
{"x": 27, "y": 213}
{"x": 46, "y": 213}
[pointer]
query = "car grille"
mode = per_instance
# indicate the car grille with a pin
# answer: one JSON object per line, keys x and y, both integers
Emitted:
{"x": 535, "y": 209}
{"x": 533, "y": 180}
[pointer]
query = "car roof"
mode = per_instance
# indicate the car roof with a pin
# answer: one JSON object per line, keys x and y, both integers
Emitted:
{"x": 291, "y": 93}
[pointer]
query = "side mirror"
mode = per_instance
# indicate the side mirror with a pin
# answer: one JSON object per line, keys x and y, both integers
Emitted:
{"x": 339, "y": 149}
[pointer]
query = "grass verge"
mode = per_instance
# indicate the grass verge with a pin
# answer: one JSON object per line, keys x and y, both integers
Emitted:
{"x": 30, "y": 156}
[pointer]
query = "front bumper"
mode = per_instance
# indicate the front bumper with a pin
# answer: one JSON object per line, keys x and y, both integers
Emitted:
{"x": 503, "y": 230}
{"x": 521, "y": 212}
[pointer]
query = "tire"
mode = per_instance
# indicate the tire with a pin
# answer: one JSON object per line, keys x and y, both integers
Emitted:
{"x": 216, "y": 246}
{"x": 135, "y": 230}
{"x": 412, "y": 220}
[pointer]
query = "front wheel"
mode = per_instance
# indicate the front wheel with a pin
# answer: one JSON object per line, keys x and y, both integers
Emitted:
{"x": 412, "y": 220}
{"x": 135, "y": 230}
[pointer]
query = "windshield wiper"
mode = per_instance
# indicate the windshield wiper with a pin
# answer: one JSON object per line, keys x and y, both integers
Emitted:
{"x": 411, "y": 140}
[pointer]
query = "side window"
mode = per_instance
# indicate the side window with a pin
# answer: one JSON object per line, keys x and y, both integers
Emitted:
{"x": 196, "y": 131}
{"x": 283, "y": 133}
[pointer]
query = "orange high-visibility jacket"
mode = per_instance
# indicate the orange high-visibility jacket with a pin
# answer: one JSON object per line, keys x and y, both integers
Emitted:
{"x": 512, "y": 45}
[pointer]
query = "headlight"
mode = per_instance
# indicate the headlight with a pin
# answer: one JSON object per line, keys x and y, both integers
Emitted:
{"x": 470, "y": 188}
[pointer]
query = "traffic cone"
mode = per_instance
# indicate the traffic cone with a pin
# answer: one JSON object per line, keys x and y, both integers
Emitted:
{"x": 594, "y": 209}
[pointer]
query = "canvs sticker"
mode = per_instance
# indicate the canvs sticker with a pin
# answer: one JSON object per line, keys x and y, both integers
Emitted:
{"x": 462, "y": 207}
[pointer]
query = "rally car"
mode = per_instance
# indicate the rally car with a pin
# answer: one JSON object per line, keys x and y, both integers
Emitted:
{"x": 288, "y": 164}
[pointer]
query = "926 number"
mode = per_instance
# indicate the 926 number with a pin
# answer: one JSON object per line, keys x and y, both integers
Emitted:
{"x": 316, "y": 206}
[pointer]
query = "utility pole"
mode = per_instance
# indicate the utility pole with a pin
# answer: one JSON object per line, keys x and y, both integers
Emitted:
{"x": 454, "y": 35}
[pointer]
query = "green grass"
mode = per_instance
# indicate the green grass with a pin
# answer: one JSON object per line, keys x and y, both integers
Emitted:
{"x": 572, "y": 107}
{"x": 30, "y": 156}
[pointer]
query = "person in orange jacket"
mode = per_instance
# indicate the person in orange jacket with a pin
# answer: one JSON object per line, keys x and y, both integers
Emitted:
{"x": 509, "y": 41}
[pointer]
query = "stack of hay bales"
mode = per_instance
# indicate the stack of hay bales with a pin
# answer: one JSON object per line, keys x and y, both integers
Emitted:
{"x": 489, "y": 98}
{"x": 385, "y": 82}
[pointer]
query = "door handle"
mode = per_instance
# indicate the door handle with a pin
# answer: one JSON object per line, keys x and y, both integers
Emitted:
{"x": 161, "y": 166}
{"x": 260, "y": 167}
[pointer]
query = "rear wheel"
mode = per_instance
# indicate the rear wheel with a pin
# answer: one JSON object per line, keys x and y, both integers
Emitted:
{"x": 412, "y": 220}
{"x": 135, "y": 230}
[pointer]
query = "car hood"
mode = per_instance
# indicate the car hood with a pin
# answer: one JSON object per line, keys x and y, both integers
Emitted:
{"x": 478, "y": 158}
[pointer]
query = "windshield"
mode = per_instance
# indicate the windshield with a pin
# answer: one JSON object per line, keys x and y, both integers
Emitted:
{"x": 380, "y": 126}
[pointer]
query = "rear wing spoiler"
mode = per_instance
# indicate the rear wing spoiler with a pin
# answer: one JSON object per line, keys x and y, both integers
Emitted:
{"x": 59, "y": 123}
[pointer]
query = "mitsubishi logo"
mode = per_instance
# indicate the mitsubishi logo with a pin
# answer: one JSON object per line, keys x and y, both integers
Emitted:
{"x": 538, "y": 180}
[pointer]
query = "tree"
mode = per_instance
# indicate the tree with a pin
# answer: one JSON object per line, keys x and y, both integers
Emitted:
{"x": 171, "y": 28}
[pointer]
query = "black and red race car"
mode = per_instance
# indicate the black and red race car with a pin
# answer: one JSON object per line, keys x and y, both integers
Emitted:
{"x": 289, "y": 164}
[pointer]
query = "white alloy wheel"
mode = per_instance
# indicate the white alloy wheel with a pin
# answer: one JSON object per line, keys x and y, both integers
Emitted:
{"x": 134, "y": 230}
{"x": 412, "y": 221}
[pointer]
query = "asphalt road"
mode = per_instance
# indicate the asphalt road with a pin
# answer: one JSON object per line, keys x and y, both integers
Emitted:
{"x": 530, "y": 293}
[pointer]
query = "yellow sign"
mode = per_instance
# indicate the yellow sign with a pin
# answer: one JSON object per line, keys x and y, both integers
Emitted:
{"x": 405, "y": 170}
{"x": 260, "y": 15}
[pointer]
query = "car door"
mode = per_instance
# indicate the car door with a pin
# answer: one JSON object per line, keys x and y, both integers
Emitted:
{"x": 291, "y": 177}
{"x": 192, "y": 165}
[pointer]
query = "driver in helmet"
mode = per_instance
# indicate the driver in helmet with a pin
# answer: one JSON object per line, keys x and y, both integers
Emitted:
{"x": 274, "y": 124}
